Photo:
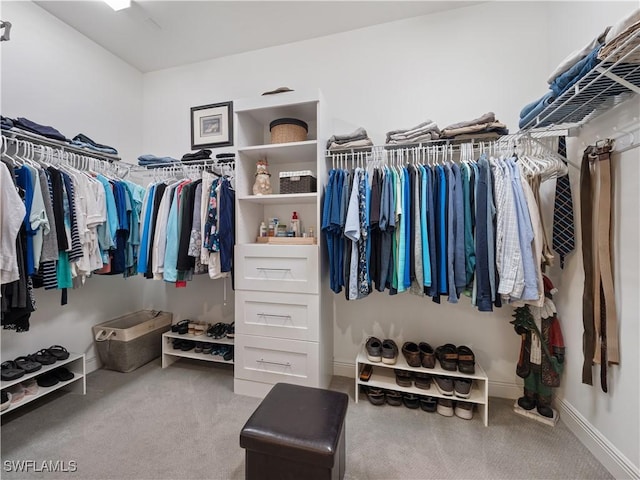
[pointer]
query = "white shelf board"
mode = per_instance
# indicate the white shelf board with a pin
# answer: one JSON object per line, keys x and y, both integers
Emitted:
{"x": 45, "y": 368}
{"x": 200, "y": 338}
{"x": 207, "y": 357}
{"x": 302, "y": 105}
{"x": 383, "y": 377}
{"x": 276, "y": 153}
{"x": 42, "y": 391}
{"x": 281, "y": 199}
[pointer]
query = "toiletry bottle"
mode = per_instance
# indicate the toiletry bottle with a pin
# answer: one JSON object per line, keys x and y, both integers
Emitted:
{"x": 295, "y": 225}
{"x": 263, "y": 229}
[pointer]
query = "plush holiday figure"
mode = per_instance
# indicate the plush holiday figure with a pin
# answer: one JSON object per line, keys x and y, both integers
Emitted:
{"x": 541, "y": 354}
{"x": 262, "y": 185}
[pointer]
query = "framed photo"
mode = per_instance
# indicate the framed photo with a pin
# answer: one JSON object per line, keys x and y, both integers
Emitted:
{"x": 212, "y": 125}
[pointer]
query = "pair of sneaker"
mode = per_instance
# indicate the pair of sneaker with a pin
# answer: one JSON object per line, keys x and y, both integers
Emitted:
{"x": 385, "y": 351}
{"x": 460, "y": 387}
{"x": 447, "y": 408}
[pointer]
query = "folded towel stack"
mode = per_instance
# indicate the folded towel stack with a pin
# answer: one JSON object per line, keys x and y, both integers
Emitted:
{"x": 485, "y": 126}
{"x": 619, "y": 34}
{"x": 355, "y": 139}
{"x": 423, "y": 132}
{"x": 151, "y": 161}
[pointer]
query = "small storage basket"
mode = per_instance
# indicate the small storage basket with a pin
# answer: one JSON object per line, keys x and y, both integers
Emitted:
{"x": 297, "y": 182}
{"x": 130, "y": 341}
{"x": 285, "y": 130}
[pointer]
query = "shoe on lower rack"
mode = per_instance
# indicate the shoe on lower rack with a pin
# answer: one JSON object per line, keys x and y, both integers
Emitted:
{"x": 6, "y": 401}
{"x": 444, "y": 385}
{"x": 373, "y": 346}
{"x": 428, "y": 404}
{"x": 411, "y": 400}
{"x": 393, "y": 398}
{"x": 464, "y": 410}
{"x": 375, "y": 396}
{"x": 403, "y": 377}
{"x": 423, "y": 380}
{"x": 462, "y": 387}
{"x": 445, "y": 407}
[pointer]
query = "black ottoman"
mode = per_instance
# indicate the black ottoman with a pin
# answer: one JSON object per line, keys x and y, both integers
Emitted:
{"x": 296, "y": 433}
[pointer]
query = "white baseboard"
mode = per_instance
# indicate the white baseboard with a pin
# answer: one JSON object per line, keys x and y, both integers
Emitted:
{"x": 613, "y": 460}
{"x": 496, "y": 389}
{"x": 344, "y": 369}
{"x": 91, "y": 364}
{"x": 505, "y": 390}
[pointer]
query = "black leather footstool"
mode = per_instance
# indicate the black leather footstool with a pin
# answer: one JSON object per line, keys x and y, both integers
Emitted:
{"x": 296, "y": 433}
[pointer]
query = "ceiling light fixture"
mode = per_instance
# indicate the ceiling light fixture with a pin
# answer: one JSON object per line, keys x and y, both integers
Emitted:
{"x": 118, "y": 4}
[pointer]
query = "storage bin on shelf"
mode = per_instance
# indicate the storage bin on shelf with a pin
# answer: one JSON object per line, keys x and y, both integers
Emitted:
{"x": 303, "y": 181}
{"x": 285, "y": 130}
{"x": 128, "y": 342}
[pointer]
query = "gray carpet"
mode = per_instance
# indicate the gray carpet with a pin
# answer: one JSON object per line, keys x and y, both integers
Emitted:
{"x": 183, "y": 422}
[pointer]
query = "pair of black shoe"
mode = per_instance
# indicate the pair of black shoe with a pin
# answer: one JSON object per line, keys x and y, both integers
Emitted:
{"x": 529, "y": 403}
{"x": 378, "y": 396}
{"x": 454, "y": 358}
{"x": 385, "y": 351}
{"x": 14, "y": 369}
{"x": 51, "y": 378}
{"x": 221, "y": 330}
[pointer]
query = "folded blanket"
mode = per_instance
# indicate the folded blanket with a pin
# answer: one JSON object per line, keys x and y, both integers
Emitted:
{"x": 577, "y": 55}
{"x": 488, "y": 117}
{"x": 575, "y": 73}
{"x": 149, "y": 159}
{"x": 622, "y": 25}
{"x": 44, "y": 130}
{"x": 203, "y": 154}
{"x": 532, "y": 110}
{"x": 349, "y": 145}
{"x": 411, "y": 134}
{"x": 624, "y": 37}
{"x": 480, "y": 127}
{"x": 426, "y": 137}
{"x": 359, "y": 134}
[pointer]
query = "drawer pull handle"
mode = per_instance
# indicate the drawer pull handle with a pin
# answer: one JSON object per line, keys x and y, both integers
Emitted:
{"x": 274, "y": 269}
{"x": 288, "y": 317}
{"x": 274, "y": 363}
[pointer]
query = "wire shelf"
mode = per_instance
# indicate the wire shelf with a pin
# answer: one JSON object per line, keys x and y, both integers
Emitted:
{"x": 607, "y": 85}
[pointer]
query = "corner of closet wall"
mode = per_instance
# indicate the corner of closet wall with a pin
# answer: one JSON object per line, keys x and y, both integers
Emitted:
{"x": 101, "y": 97}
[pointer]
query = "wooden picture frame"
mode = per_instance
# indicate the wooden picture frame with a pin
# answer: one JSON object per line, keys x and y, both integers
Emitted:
{"x": 212, "y": 125}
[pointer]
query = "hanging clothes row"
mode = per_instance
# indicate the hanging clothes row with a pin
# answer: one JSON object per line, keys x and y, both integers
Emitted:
{"x": 188, "y": 222}
{"x": 413, "y": 219}
{"x": 64, "y": 217}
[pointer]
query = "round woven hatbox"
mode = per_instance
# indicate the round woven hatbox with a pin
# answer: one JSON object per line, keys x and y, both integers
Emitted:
{"x": 285, "y": 130}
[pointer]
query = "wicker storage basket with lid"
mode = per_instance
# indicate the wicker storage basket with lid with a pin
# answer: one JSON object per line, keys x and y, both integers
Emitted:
{"x": 285, "y": 130}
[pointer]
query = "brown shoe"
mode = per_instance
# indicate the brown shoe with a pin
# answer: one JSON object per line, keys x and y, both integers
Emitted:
{"x": 427, "y": 357}
{"x": 411, "y": 354}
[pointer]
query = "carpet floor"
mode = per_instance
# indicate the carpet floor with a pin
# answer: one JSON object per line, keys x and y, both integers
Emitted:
{"x": 183, "y": 422}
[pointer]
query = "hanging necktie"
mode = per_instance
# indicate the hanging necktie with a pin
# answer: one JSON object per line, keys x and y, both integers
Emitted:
{"x": 563, "y": 227}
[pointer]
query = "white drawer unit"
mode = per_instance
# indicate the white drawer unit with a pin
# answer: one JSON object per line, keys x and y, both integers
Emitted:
{"x": 277, "y": 360}
{"x": 277, "y": 268}
{"x": 279, "y": 307}
{"x": 282, "y": 315}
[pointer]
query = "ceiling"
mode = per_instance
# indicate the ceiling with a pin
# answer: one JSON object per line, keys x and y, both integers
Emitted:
{"x": 153, "y": 35}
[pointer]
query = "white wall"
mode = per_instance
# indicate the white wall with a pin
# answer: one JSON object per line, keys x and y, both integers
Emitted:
{"x": 384, "y": 77}
{"x": 55, "y": 76}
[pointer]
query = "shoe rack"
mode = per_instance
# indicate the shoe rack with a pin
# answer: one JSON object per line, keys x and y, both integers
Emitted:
{"x": 171, "y": 355}
{"x": 383, "y": 376}
{"x": 75, "y": 364}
